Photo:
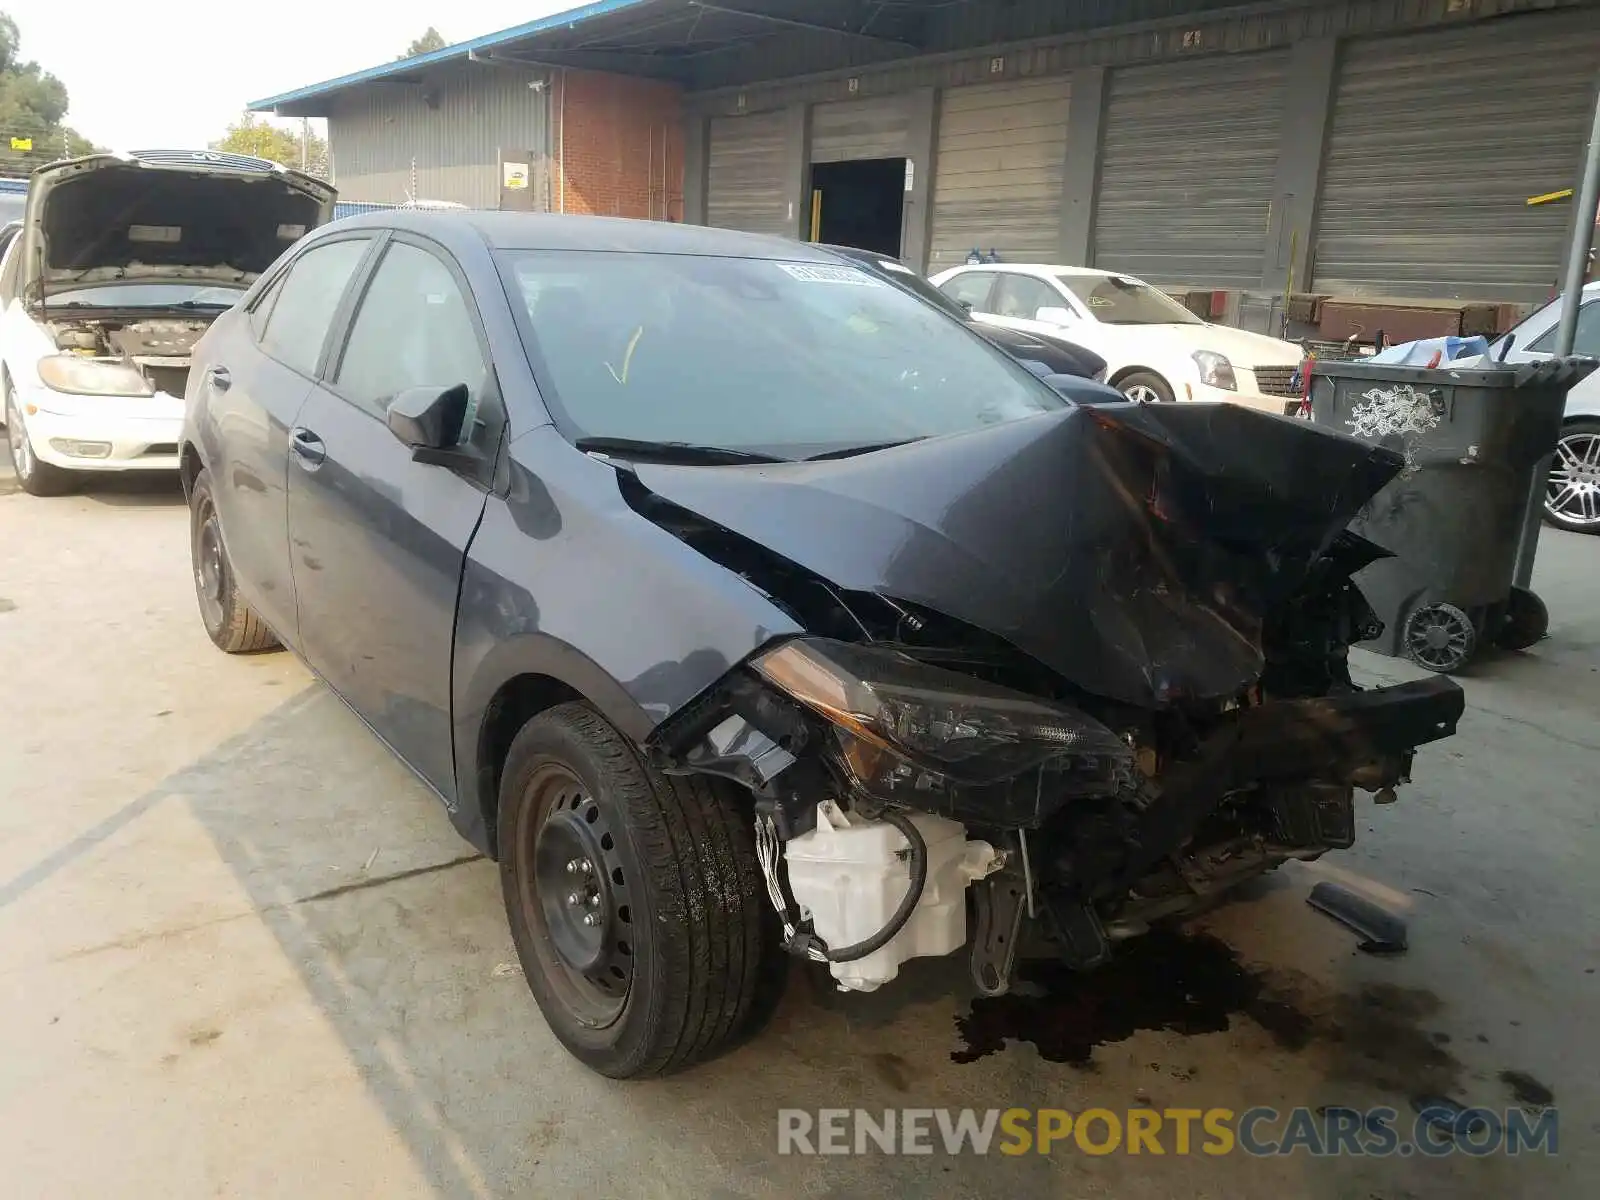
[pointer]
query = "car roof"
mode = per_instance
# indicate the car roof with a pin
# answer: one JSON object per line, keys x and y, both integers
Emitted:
{"x": 561, "y": 231}
{"x": 1039, "y": 269}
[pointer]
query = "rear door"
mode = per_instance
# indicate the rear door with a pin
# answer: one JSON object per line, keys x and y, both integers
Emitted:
{"x": 256, "y": 373}
{"x": 1018, "y": 299}
{"x": 378, "y": 538}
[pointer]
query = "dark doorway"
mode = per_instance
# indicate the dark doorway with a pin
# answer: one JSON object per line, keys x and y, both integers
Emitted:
{"x": 859, "y": 203}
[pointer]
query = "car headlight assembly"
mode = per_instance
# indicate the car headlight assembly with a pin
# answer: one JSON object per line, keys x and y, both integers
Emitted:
{"x": 896, "y": 719}
{"x": 79, "y": 376}
{"x": 1215, "y": 370}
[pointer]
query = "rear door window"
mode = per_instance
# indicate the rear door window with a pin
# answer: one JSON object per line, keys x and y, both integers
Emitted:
{"x": 970, "y": 288}
{"x": 1022, "y": 296}
{"x": 1588, "y": 339}
{"x": 307, "y": 300}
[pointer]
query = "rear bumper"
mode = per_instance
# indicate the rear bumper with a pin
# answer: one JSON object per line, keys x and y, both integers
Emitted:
{"x": 79, "y": 433}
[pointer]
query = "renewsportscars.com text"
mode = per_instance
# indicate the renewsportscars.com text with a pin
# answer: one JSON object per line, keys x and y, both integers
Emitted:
{"x": 1261, "y": 1132}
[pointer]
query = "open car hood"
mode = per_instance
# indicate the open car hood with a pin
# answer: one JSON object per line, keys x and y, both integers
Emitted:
{"x": 165, "y": 215}
{"x": 1133, "y": 549}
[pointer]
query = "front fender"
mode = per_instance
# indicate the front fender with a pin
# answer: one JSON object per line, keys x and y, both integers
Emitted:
{"x": 563, "y": 580}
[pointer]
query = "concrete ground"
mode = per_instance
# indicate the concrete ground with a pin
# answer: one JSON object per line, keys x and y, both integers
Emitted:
{"x": 243, "y": 954}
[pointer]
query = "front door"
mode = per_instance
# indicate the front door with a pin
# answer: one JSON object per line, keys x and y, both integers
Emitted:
{"x": 378, "y": 539}
{"x": 255, "y": 383}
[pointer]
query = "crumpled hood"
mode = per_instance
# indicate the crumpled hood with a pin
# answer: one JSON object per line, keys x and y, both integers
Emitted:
{"x": 160, "y": 215}
{"x": 1134, "y": 549}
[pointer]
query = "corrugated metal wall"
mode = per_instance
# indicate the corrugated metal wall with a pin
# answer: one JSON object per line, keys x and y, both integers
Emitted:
{"x": 476, "y": 112}
{"x": 857, "y": 129}
{"x": 1189, "y": 154}
{"x": 745, "y": 186}
{"x": 1436, "y": 142}
{"x": 997, "y": 180}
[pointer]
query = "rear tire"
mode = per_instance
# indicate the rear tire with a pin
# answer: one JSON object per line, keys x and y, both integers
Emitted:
{"x": 37, "y": 478}
{"x": 635, "y": 899}
{"x": 1572, "y": 499}
{"x": 1145, "y": 387}
{"x": 229, "y": 620}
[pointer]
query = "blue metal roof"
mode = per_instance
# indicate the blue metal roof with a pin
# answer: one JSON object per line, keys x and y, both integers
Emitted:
{"x": 488, "y": 41}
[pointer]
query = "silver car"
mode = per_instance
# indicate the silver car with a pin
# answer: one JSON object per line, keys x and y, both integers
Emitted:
{"x": 1573, "y": 501}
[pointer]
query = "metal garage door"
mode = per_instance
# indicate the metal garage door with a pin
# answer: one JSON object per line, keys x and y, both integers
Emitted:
{"x": 855, "y": 129}
{"x": 1186, "y": 171}
{"x": 745, "y": 176}
{"x": 997, "y": 182}
{"x": 1437, "y": 141}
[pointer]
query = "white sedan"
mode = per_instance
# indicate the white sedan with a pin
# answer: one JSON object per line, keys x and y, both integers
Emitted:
{"x": 1155, "y": 349}
{"x": 121, "y": 264}
{"x": 1573, "y": 501}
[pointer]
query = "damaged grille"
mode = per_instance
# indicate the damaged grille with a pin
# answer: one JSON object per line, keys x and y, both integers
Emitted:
{"x": 1276, "y": 381}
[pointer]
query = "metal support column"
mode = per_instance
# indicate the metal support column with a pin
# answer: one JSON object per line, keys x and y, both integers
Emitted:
{"x": 1307, "y": 107}
{"x": 1583, "y": 224}
{"x": 1081, "y": 179}
{"x": 696, "y": 165}
{"x": 797, "y": 171}
{"x": 922, "y": 146}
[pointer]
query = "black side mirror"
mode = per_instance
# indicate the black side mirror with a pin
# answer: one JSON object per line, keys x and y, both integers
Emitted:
{"x": 428, "y": 419}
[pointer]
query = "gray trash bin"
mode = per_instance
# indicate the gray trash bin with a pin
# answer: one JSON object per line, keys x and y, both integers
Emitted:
{"x": 1473, "y": 439}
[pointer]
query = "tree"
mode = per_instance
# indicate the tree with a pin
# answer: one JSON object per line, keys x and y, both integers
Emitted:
{"x": 262, "y": 139}
{"x": 430, "y": 41}
{"x": 33, "y": 103}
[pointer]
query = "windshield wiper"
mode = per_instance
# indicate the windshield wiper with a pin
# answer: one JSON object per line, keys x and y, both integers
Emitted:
{"x": 852, "y": 451}
{"x": 673, "y": 452}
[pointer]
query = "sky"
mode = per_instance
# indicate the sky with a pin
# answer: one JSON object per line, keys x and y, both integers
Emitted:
{"x": 176, "y": 73}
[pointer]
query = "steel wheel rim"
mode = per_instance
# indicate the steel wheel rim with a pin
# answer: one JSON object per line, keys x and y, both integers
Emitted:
{"x": 1439, "y": 638}
{"x": 575, "y": 897}
{"x": 1573, "y": 493}
{"x": 1142, "y": 393}
{"x": 210, "y": 573}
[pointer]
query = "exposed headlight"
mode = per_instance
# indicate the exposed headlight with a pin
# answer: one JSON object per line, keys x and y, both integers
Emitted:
{"x": 1215, "y": 370}
{"x": 86, "y": 377}
{"x": 894, "y": 714}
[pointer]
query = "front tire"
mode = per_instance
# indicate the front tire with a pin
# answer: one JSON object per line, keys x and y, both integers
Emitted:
{"x": 37, "y": 478}
{"x": 635, "y": 899}
{"x": 229, "y": 620}
{"x": 1572, "y": 499}
{"x": 1146, "y": 387}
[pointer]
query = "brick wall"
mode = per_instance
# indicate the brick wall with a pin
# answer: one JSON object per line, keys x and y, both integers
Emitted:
{"x": 622, "y": 147}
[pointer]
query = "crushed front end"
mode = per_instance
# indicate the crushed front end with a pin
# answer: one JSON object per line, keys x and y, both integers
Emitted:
{"x": 1170, "y": 714}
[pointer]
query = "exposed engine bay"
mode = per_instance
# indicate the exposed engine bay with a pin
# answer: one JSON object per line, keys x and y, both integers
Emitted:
{"x": 1075, "y": 683}
{"x": 159, "y": 348}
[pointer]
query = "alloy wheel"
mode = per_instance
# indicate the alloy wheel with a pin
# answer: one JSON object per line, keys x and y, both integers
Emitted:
{"x": 1573, "y": 495}
{"x": 17, "y": 439}
{"x": 1142, "y": 393}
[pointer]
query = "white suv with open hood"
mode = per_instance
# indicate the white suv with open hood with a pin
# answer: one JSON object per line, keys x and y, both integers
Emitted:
{"x": 123, "y": 261}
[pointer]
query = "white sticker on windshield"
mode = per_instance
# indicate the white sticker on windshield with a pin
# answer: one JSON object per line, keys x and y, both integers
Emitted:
{"x": 1099, "y": 302}
{"x": 819, "y": 273}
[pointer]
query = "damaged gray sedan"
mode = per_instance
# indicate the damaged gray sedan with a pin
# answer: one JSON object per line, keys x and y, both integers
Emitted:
{"x": 745, "y": 608}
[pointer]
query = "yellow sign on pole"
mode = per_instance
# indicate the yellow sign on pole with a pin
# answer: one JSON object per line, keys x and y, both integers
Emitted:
{"x": 1550, "y": 197}
{"x": 21, "y": 143}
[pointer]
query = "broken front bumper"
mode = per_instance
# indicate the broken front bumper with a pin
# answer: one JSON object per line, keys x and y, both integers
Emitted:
{"x": 1363, "y": 738}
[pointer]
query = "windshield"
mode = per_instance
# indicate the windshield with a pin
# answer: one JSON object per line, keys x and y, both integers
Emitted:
{"x": 149, "y": 295}
{"x": 921, "y": 288}
{"x": 784, "y": 359}
{"x": 1123, "y": 300}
